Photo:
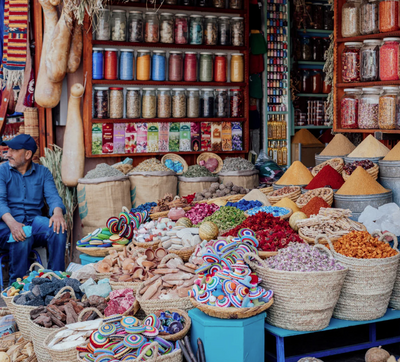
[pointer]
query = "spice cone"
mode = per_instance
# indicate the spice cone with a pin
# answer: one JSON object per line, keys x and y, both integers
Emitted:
{"x": 361, "y": 183}
{"x": 305, "y": 137}
{"x": 297, "y": 174}
{"x": 339, "y": 146}
{"x": 394, "y": 154}
{"x": 370, "y": 147}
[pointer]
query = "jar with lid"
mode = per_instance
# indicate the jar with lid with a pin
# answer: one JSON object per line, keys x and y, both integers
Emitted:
{"x": 389, "y": 59}
{"x": 369, "y": 58}
{"x": 210, "y": 30}
{"x": 351, "y": 18}
{"x": 306, "y": 46}
{"x": 143, "y": 69}
{"x": 178, "y": 103}
{"x": 166, "y": 28}
{"x": 196, "y": 30}
{"x": 317, "y": 49}
{"x": 181, "y": 29}
{"x": 158, "y": 65}
{"x": 207, "y": 103}
{"x": 126, "y": 64}
{"x": 388, "y": 103}
{"x": 190, "y": 68}
{"x": 219, "y": 4}
{"x": 175, "y": 67}
{"x": 151, "y": 28}
{"x": 100, "y": 102}
{"x": 237, "y": 67}
{"x": 116, "y": 102}
{"x": 237, "y": 103}
{"x": 133, "y": 101}
{"x": 224, "y": 30}
{"x": 164, "y": 103}
{"x": 351, "y": 62}
{"x": 97, "y": 63}
{"x": 110, "y": 63}
{"x": 220, "y": 64}
{"x": 306, "y": 81}
{"x": 221, "y": 103}
{"x": 349, "y": 108}
{"x": 316, "y": 78}
{"x": 102, "y": 31}
{"x": 328, "y": 17}
{"x": 368, "y": 109}
{"x": 326, "y": 88}
{"x": 206, "y": 67}
{"x": 369, "y": 17}
{"x": 135, "y": 26}
{"x": 236, "y": 4}
{"x": 118, "y": 25}
{"x": 193, "y": 103}
{"x": 318, "y": 15}
{"x": 149, "y": 103}
{"x": 237, "y": 31}
{"x": 388, "y": 15}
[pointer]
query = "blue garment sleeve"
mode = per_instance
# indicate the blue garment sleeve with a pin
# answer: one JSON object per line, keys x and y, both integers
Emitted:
{"x": 51, "y": 195}
{"x": 4, "y": 209}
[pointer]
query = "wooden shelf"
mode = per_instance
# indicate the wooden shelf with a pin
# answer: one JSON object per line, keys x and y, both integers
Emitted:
{"x": 110, "y": 43}
{"x": 312, "y": 127}
{"x": 368, "y": 84}
{"x": 150, "y": 83}
{"x": 309, "y": 62}
{"x": 358, "y": 130}
{"x": 155, "y": 120}
{"x": 163, "y": 153}
{"x": 314, "y": 31}
{"x": 315, "y": 95}
{"x": 369, "y": 36}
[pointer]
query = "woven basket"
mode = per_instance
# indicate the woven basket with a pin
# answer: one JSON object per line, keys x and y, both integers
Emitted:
{"x": 157, "y": 215}
{"x": 125, "y": 285}
{"x": 266, "y": 254}
{"x": 367, "y": 288}
{"x": 304, "y": 301}
{"x": 8, "y": 301}
{"x": 373, "y": 172}
{"x": 336, "y": 163}
{"x": 147, "y": 245}
{"x": 267, "y": 190}
{"x": 175, "y": 157}
{"x": 294, "y": 195}
{"x": 218, "y": 200}
{"x": 185, "y": 253}
{"x": 206, "y": 155}
{"x": 4, "y": 311}
{"x": 231, "y": 313}
{"x": 325, "y": 193}
{"x": 180, "y": 335}
{"x": 99, "y": 251}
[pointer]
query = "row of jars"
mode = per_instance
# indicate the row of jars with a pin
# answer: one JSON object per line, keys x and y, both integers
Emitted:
{"x": 167, "y": 103}
{"x": 221, "y": 4}
{"x": 313, "y": 81}
{"x": 179, "y": 66}
{"x": 168, "y": 28}
{"x": 320, "y": 16}
{"x": 369, "y": 17}
{"x": 311, "y": 48}
{"x": 371, "y": 108}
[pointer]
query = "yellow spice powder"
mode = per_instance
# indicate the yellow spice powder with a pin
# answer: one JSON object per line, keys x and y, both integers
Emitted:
{"x": 297, "y": 174}
{"x": 361, "y": 183}
{"x": 286, "y": 202}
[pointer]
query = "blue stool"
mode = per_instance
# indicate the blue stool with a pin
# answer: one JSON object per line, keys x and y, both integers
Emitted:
{"x": 4, "y": 258}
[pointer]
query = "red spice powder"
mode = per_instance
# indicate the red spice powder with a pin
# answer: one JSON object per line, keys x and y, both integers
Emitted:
{"x": 313, "y": 206}
{"x": 327, "y": 177}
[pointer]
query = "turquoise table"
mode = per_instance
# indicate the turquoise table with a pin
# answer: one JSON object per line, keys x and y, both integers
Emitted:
{"x": 280, "y": 335}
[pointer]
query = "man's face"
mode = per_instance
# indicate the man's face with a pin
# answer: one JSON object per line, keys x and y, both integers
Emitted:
{"x": 18, "y": 158}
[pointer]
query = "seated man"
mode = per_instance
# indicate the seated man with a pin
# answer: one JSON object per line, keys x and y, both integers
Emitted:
{"x": 24, "y": 186}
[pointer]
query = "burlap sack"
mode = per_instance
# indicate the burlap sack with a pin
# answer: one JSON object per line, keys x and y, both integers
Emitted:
{"x": 101, "y": 198}
{"x": 188, "y": 186}
{"x": 247, "y": 179}
{"x": 151, "y": 186}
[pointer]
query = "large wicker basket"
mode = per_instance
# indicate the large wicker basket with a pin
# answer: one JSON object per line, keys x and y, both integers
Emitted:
{"x": 373, "y": 172}
{"x": 180, "y": 335}
{"x": 174, "y": 157}
{"x": 8, "y": 300}
{"x": 293, "y": 195}
{"x": 99, "y": 252}
{"x": 325, "y": 193}
{"x": 304, "y": 301}
{"x": 206, "y": 155}
{"x": 185, "y": 253}
{"x": 336, "y": 163}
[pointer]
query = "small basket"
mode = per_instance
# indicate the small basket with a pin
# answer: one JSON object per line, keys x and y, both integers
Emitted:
{"x": 335, "y": 163}
{"x": 147, "y": 245}
{"x": 324, "y": 193}
{"x": 267, "y": 190}
{"x": 157, "y": 215}
{"x": 100, "y": 252}
{"x": 125, "y": 285}
{"x": 180, "y": 335}
{"x": 175, "y": 157}
{"x": 8, "y": 301}
{"x": 293, "y": 195}
{"x": 206, "y": 155}
{"x": 185, "y": 253}
{"x": 373, "y": 172}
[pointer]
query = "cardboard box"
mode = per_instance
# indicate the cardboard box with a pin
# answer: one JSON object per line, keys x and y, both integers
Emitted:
{"x": 305, "y": 153}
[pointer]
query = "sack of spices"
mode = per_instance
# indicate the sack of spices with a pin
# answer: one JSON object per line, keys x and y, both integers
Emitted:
{"x": 196, "y": 179}
{"x": 240, "y": 172}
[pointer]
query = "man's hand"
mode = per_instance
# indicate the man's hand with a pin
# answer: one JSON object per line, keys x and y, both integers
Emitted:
{"x": 16, "y": 231}
{"x": 57, "y": 221}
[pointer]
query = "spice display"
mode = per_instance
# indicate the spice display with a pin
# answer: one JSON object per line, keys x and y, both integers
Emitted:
{"x": 164, "y": 103}
{"x": 210, "y": 30}
{"x": 181, "y": 29}
{"x": 224, "y": 30}
{"x": 361, "y": 245}
{"x": 97, "y": 63}
{"x": 149, "y": 165}
{"x": 339, "y": 146}
{"x": 351, "y": 19}
{"x": 226, "y": 217}
{"x": 141, "y": 139}
{"x": 368, "y": 110}
{"x": 174, "y": 130}
{"x": 130, "y": 137}
{"x": 292, "y": 192}
{"x": 97, "y": 139}
{"x": 370, "y": 147}
{"x": 118, "y": 25}
{"x": 305, "y": 137}
{"x": 216, "y": 137}
{"x": 237, "y": 136}
{"x": 108, "y": 138}
{"x": 126, "y": 64}
{"x": 236, "y": 164}
{"x": 151, "y": 28}
{"x": 369, "y": 58}
{"x": 119, "y": 138}
{"x": 220, "y": 64}
{"x": 168, "y": 202}
{"x": 143, "y": 65}
{"x": 361, "y": 183}
{"x": 149, "y": 103}
{"x": 200, "y": 211}
{"x": 369, "y": 17}
{"x": 389, "y": 58}
{"x": 388, "y": 15}
{"x": 178, "y": 103}
{"x": 195, "y": 136}
{"x": 226, "y": 136}
{"x": 135, "y": 27}
{"x": 220, "y": 190}
{"x": 206, "y": 67}
{"x": 133, "y": 101}
{"x": 100, "y": 102}
{"x": 237, "y": 31}
{"x": 102, "y": 29}
{"x": 393, "y": 154}
{"x": 327, "y": 177}
{"x": 351, "y": 62}
{"x": 158, "y": 65}
{"x": 197, "y": 171}
{"x": 184, "y": 137}
{"x": 323, "y": 193}
{"x": 245, "y": 205}
{"x": 116, "y": 102}
{"x": 110, "y": 63}
{"x": 196, "y": 30}
{"x": 152, "y": 137}
{"x": 236, "y": 103}
{"x": 273, "y": 210}
{"x": 221, "y": 103}
{"x": 349, "y": 168}
{"x": 190, "y": 67}
{"x": 349, "y": 108}
{"x": 205, "y": 136}
{"x": 175, "y": 72}
{"x": 388, "y": 108}
{"x": 193, "y": 103}
{"x": 314, "y": 205}
{"x": 297, "y": 174}
{"x": 237, "y": 67}
{"x": 288, "y": 204}
{"x": 166, "y": 28}
{"x": 386, "y": 217}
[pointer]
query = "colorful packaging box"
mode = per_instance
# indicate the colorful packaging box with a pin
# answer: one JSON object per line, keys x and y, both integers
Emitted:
{"x": 184, "y": 137}
{"x": 141, "y": 140}
{"x": 237, "y": 136}
{"x": 97, "y": 139}
{"x": 195, "y": 136}
{"x": 130, "y": 137}
{"x": 108, "y": 138}
{"x": 152, "y": 137}
{"x": 119, "y": 137}
{"x": 163, "y": 136}
{"x": 216, "y": 136}
{"x": 174, "y": 129}
{"x": 226, "y": 136}
{"x": 206, "y": 136}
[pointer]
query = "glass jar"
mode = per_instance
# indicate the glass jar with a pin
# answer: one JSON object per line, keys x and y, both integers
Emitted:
{"x": 306, "y": 46}
{"x": 389, "y": 59}
{"x": 237, "y": 32}
{"x": 164, "y": 103}
{"x": 220, "y": 64}
{"x": 306, "y": 81}
{"x": 102, "y": 31}
{"x": 224, "y": 30}
{"x": 166, "y": 28}
{"x": 118, "y": 25}
{"x": 100, "y": 103}
{"x": 388, "y": 108}
{"x": 388, "y": 15}
{"x": 175, "y": 68}
{"x": 351, "y": 18}
{"x": 126, "y": 64}
{"x": 221, "y": 103}
{"x": 326, "y": 88}
{"x": 236, "y": 4}
{"x": 210, "y": 30}
{"x": 316, "y": 79}
{"x": 318, "y": 15}
{"x": 369, "y": 19}
{"x": 206, "y": 67}
{"x": 207, "y": 103}
{"x": 369, "y": 58}
{"x": 97, "y": 63}
{"x": 190, "y": 68}
{"x": 158, "y": 65}
{"x": 204, "y": 3}
{"x": 143, "y": 62}
{"x": 110, "y": 63}
{"x": 151, "y": 28}
{"x": 181, "y": 29}
{"x": 196, "y": 30}
{"x": 219, "y": 4}
{"x": 236, "y": 103}
{"x": 368, "y": 109}
{"x": 349, "y": 108}
{"x": 317, "y": 49}
{"x": 135, "y": 26}
{"x": 116, "y": 102}
{"x": 328, "y": 17}
{"x": 193, "y": 103}
{"x": 351, "y": 62}
{"x": 149, "y": 103}
{"x": 178, "y": 103}
{"x": 237, "y": 67}
{"x": 326, "y": 42}
{"x": 133, "y": 103}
